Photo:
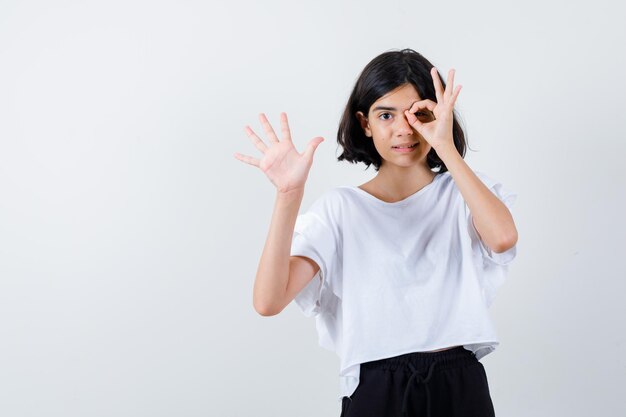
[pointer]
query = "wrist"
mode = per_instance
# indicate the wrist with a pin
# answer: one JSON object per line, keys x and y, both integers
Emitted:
{"x": 446, "y": 151}
{"x": 293, "y": 194}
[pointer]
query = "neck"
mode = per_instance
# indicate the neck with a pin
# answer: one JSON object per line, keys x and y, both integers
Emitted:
{"x": 397, "y": 182}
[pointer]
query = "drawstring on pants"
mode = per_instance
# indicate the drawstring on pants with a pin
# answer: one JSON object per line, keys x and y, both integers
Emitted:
{"x": 419, "y": 379}
{"x": 405, "y": 367}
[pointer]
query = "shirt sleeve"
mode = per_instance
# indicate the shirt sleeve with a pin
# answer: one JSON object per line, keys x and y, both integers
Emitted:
{"x": 508, "y": 197}
{"x": 315, "y": 237}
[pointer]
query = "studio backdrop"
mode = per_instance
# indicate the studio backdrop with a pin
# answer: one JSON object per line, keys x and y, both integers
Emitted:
{"x": 130, "y": 235}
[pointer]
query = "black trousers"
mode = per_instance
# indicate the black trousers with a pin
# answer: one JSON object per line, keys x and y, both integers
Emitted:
{"x": 449, "y": 383}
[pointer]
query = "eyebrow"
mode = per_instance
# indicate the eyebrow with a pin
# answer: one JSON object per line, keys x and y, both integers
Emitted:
{"x": 384, "y": 108}
{"x": 387, "y": 108}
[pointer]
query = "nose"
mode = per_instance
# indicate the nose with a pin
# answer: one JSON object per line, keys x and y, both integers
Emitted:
{"x": 404, "y": 128}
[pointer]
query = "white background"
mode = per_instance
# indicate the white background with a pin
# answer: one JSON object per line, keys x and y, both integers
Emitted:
{"x": 130, "y": 235}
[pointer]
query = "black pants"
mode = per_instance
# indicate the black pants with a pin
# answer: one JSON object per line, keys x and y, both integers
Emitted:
{"x": 449, "y": 383}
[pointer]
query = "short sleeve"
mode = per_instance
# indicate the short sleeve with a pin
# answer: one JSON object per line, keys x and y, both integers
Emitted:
{"x": 315, "y": 237}
{"x": 508, "y": 197}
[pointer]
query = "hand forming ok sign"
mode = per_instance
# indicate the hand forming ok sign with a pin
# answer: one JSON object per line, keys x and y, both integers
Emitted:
{"x": 438, "y": 132}
{"x": 286, "y": 168}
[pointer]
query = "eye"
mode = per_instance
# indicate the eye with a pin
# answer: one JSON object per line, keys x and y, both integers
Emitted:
{"x": 423, "y": 115}
{"x": 383, "y": 114}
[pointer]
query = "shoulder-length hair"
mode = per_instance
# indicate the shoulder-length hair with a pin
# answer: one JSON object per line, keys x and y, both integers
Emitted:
{"x": 381, "y": 75}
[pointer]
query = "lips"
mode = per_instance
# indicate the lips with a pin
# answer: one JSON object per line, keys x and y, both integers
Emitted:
{"x": 406, "y": 145}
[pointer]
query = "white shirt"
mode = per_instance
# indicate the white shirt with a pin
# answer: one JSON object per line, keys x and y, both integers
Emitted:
{"x": 401, "y": 277}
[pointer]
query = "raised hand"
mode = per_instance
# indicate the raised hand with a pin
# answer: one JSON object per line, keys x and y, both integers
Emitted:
{"x": 438, "y": 132}
{"x": 285, "y": 167}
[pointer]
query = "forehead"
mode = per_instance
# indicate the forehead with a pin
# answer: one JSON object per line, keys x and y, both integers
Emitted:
{"x": 400, "y": 98}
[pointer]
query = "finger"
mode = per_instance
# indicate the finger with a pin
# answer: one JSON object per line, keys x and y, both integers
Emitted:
{"x": 455, "y": 95}
{"x": 449, "y": 85}
{"x": 268, "y": 128}
{"x": 423, "y": 104}
{"x": 312, "y": 146}
{"x": 247, "y": 159}
{"x": 284, "y": 126}
{"x": 258, "y": 143}
{"x": 438, "y": 86}
{"x": 413, "y": 121}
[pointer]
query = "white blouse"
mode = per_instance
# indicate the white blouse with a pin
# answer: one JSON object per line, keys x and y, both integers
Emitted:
{"x": 401, "y": 277}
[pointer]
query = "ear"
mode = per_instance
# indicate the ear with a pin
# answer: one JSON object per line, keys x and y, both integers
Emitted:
{"x": 364, "y": 123}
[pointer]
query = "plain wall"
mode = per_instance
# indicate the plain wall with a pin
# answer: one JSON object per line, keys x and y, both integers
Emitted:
{"x": 130, "y": 235}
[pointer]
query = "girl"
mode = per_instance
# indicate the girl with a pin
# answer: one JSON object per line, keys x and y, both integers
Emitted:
{"x": 399, "y": 271}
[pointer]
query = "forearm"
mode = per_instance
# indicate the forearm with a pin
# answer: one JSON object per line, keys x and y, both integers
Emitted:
{"x": 273, "y": 271}
{"x": 492, "y": 219}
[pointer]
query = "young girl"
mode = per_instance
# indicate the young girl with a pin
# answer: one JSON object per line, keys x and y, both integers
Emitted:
{"x": 400, "y": 271}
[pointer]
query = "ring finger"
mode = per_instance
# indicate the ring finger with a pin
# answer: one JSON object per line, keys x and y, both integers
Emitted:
{"x": 449, "y": 84}
{"x": 258, "y": 143}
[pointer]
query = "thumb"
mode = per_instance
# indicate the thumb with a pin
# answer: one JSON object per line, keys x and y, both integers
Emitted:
{"x": 413, "y": 121}
{"x": 312, "y": 146}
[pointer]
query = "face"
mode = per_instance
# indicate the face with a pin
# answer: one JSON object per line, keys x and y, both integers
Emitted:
{"x": 388, "y": 127}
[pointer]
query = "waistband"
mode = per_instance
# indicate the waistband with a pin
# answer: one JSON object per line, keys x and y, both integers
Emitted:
{"x": 445, "y": 359}
{"x": 421, "y": 365}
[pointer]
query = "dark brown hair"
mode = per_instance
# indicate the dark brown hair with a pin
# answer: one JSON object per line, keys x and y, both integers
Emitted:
{"x": 381, "y": 75}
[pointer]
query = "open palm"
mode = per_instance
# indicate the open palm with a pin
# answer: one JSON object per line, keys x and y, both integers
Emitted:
{"x": 285, "y": 167}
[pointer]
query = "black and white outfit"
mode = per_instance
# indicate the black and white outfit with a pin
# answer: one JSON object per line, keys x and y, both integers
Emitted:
{"x": 400, "y": 279}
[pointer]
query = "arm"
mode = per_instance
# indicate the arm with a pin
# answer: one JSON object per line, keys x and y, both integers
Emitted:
{"x": 492, "y": 219}
{"x": 287, "y": 169}
{"x": 272, "y": 275}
